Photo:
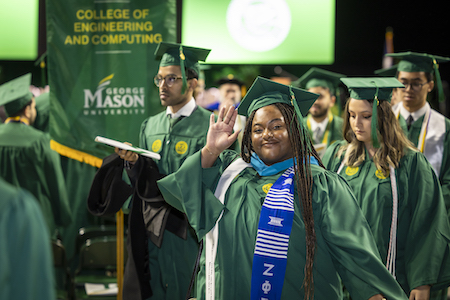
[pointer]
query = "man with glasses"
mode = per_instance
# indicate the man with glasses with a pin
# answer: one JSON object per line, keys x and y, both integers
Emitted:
{"x": 425, "y": 127}
{"x": 175, "y": 134}
{"x": 324, "y": 127}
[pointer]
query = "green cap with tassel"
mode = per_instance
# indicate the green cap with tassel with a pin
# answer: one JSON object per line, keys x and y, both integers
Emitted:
{"x": 422, "y": 62}
{"x": 264, "y": 92}
{"x": 372, "y": 88}
{"x": 172, "y": 54}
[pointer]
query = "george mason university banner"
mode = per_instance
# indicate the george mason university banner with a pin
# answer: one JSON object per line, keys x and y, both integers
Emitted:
{"x": 101, "y": 68}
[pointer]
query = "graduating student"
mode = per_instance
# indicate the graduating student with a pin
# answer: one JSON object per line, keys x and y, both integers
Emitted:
{"x": 26, "y": 159}
{"x": 275, "y": 223}
{"x": 426, "y": 128}
{"x": 323, "y": 127}
{"x": 396, "y": 188}
{"x": 164, "y": 269}
{"x": 26, "y": 265}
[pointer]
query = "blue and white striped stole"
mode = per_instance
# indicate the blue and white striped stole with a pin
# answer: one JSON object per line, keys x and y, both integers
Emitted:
{"x": 272, "y": 240}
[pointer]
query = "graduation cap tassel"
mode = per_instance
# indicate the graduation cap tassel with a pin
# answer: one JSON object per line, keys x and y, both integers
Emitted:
{"x": 438, "y": 81}
{"x": 374, "y": 125}
{"x": 302, "y": 129}
{"x": 296, "y": 108}
{"x": 183, "y": 71}
{"x": 339, "y": 99}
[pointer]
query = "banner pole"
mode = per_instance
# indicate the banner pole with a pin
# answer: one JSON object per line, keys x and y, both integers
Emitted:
{"x": 119, "y": 253}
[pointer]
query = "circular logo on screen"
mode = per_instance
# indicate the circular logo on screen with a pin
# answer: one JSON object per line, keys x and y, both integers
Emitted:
{"x": 258, "y": 25}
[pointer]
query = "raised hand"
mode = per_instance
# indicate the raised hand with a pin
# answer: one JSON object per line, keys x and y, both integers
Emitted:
{"x": 220, "y": 135}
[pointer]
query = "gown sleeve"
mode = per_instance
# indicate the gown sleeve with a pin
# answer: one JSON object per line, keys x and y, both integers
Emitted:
{"x": 428, "y": 232}
{"x": 444, "y": 176}
{"x": 191, "y": 190}
{"x": 351, "y": 244}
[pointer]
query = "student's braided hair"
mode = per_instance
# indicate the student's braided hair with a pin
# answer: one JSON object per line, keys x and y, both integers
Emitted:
{"x": 303, "y": 149}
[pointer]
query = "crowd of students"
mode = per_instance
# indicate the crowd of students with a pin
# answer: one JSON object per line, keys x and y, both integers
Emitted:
{"x": 276, "y": 195}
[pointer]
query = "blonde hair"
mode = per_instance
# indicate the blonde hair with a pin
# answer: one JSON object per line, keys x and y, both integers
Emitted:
{"x": 393, "y": 141}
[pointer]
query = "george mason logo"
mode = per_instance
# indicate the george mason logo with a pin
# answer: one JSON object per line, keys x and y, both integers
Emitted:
{"x": 181, "y": 147}
{"x": 156, "y": 146}
{"x": 109, "y": 100}
{"x": 267, "y": 187}
{"x": 350, "y": 171}
{"x": 381, "y": 175}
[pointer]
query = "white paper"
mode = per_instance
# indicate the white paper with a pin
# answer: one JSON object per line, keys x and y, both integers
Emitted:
{"x": 124, "y": 146}
{"x": 100, "y": 289}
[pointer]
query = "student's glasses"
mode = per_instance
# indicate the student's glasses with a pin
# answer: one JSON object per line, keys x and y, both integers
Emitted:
{"x": 169, "y": 80}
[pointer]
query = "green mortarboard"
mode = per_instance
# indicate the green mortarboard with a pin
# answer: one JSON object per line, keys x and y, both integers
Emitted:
{"x": 372, "y": 88}
{"x": 186, "y": 57}
{"x": 421, "y": 62}
{"x": 387, "y": 72}
{"x": 319, "y": 77}
{"x": 264, "y": 92}
{"x": 15, "y": 94}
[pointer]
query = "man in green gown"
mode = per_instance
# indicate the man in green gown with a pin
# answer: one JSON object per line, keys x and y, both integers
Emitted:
{"x": 26, "y": 264}
{"x": 344, "y": 246}
{"x": 175, "y": 134}
{"x": 26, "y": 159}
{"x": 324, "y": 127}
{"x": 425, "y": 127}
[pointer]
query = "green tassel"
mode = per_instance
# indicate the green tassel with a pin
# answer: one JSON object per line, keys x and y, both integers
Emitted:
{"x": 374, "y": 125}
{"x": 438, "y": 81}
{"x": 183, "y": 72}
{"x": 302, "y": 129}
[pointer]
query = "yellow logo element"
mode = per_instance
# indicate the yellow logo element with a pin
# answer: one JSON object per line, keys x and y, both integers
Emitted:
{"x": 267, "y": 187}
{"x": 350, "y": 171}
{"x": 156, "y": 146}
{"x": 181, "y": 147}
{"x": 106, "y": 79}
{"x": 379, "y": 174}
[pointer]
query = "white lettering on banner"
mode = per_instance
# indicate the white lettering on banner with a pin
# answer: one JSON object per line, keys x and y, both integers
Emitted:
{"x": 114, "y": 100}
{"x": 267, "y": 271}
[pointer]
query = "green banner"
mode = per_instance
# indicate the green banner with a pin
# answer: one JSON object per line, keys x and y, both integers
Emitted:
{"x": 101, "y": 68}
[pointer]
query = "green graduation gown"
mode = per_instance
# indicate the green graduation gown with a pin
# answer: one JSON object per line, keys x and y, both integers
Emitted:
{"x": 344, "y": 243}
{"x": 423, "y": 232}
{"x": 332, "y": 133}
{"x": 444, "y": 173}
{"x": 78, "y": 178}
{"x": 171, "y": 266}
{"x": 27, "y": 161}
{"x": 26, "y": 264}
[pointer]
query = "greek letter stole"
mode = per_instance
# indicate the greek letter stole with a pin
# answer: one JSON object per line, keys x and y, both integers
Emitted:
{"x": 272, "y": 240}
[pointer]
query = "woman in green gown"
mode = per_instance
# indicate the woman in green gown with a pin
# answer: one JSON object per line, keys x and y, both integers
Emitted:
{"x": 241, "y": 207}
{"x": 395, "y": 187}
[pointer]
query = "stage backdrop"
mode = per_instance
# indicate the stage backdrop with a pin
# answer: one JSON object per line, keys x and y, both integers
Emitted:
{"x": 101, "y": 68}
